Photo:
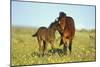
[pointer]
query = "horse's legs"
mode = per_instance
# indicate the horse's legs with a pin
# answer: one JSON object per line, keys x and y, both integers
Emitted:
{"x": 64, "y": 45}
{"x": 65, "y": 48}
{"x": 70, "y": 46}
{"x": 61, "y": 42}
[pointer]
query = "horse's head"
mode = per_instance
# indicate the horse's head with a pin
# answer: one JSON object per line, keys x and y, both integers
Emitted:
{"x": 62, "y": 14}
{"x": 62, "y": 21}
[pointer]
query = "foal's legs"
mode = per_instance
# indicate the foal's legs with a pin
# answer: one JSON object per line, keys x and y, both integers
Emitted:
{"x": 40, "y": 47}
{"x": 52, "y": 46}
{"x": 44, "y": 47}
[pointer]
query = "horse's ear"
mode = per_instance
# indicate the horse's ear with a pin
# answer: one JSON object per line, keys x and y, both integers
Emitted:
{"x": 56, "y": 19}
{"x": 62, "y": 14}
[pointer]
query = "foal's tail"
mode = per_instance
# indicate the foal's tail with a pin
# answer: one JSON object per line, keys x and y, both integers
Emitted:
{"x": 34, "y": 34}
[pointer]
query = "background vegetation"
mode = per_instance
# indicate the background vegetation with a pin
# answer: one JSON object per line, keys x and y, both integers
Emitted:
{"x": 24, "y": 48}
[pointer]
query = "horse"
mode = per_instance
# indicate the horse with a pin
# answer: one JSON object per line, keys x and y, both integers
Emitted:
{"x": 67, "y": 31}
{"x": 46, "y": 35}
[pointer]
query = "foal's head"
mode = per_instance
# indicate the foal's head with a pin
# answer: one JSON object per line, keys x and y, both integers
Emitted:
{"x": 54, "y": 25}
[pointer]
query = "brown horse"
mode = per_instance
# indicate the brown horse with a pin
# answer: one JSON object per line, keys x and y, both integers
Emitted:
{"x": 46, "y": 35}
{"x": 67, "y": 31}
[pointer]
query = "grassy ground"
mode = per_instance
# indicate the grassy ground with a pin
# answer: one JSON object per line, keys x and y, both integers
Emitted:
{"x": 24, "y": 48}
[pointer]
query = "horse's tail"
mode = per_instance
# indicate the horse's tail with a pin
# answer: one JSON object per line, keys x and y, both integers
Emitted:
{"x": 34, "y": 34}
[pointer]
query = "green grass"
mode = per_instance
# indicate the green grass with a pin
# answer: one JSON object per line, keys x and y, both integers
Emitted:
{"x": 24, "y": 48}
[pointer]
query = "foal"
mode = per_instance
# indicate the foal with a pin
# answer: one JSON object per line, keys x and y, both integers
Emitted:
{"x": 46, "y": 35}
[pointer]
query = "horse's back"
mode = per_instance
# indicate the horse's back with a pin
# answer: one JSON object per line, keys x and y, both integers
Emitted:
{"x": 69, "y": 27}
{"x": 70, "y": 22}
